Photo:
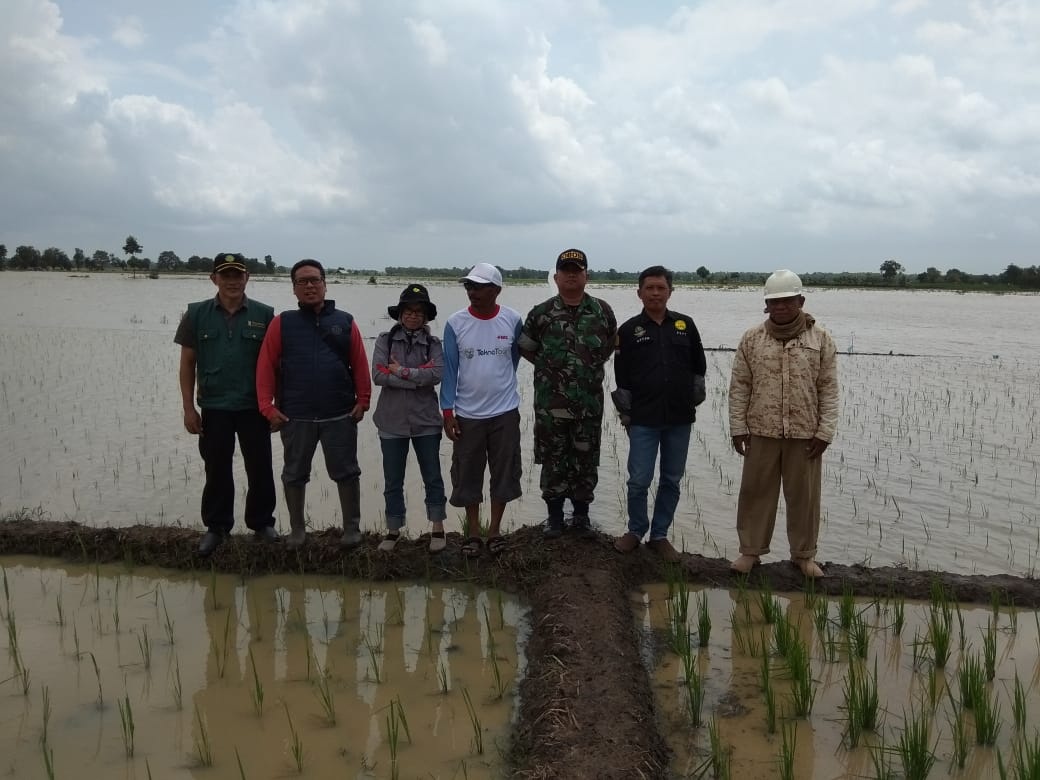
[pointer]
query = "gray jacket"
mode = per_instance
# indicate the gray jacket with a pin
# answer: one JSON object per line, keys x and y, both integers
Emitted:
{"x": 407, "y": 404}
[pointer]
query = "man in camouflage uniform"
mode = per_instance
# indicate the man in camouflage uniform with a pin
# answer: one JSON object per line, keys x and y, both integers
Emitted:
{"x": 568, "y": 338}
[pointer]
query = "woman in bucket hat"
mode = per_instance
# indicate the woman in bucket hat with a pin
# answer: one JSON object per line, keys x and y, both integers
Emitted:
{"x": 407, "y": 364}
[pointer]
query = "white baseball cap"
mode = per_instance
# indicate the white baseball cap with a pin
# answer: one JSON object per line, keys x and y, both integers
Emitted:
{"x": 484, "y": 273}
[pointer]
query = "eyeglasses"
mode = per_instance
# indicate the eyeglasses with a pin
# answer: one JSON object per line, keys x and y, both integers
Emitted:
{"x": 477, "y": 285}
{"x": 308, "y": 281}
{"x": 414, "y": 312}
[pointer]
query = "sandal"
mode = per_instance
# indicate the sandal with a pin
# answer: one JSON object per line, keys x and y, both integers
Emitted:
{"x": 495, "y": 545}
{"x": 473, "y": 547}
{"x": 437, "y": 542}
{"x": 387, "y": 545}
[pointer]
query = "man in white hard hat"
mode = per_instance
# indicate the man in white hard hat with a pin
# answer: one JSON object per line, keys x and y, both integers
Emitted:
{"x": 783, "y": 412}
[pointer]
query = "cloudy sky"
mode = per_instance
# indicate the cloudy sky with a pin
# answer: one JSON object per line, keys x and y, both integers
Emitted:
{"x": 736, "y": 134}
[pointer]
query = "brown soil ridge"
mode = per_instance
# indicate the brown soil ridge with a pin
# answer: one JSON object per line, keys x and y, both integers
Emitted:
{"x": 586, "y": 707}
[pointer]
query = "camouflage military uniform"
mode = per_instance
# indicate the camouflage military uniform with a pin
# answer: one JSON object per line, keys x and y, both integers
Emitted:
{"x": 571, "y": 344}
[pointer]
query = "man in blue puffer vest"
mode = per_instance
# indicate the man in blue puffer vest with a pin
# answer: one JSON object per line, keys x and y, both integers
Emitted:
{"x": 220, "y": 339}
{"x": 312, "y": 385}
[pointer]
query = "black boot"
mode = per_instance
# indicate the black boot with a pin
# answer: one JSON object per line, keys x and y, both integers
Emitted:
{"x": 580, "y": 523}
{"x": 554, "y": 522}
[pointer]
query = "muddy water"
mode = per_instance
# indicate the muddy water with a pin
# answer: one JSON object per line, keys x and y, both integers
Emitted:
{"x": 935, "y": 464}
{"x": 907, "y": 681}
{"x": 186, "y": 657}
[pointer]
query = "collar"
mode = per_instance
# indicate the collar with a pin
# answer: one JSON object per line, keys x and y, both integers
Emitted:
{"x": 219, "y": 305}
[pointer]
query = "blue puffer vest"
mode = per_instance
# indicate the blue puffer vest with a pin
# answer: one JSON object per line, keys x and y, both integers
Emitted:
{"x": 316, "y": 383}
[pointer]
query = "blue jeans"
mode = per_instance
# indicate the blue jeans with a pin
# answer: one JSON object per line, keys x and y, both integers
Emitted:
{"x": 673, "y": 441}
{"x": 395, "y": 460}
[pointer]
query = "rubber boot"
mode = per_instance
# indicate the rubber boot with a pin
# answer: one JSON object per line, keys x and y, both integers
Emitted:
{"x": 554, "y": 521}
{"x": 350, "y": 505}
{"x": 580, "y": 523}
{"x": 294, "y": 495}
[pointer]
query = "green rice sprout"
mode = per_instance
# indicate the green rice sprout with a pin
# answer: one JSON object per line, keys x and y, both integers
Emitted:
{"x": 987, "y": 720}
{"x": 48, "y": 762}
{"x": 916, "y": 749}
{"x": 989, "y": 649}
{"x": 145, "y": 646}
{"x": 1018, "y": 703}
{"x": 97, "y": 676}
{"x": 770, "y": 699}
{"x": 126, "y": 724}
{"x": 373, "y": 657}
{"x": 442, "y": 677}
{"x": 788, "y": 742}
{"x": 326, "y": 696}
{"x": 220, "y": 649}
{"x": 803, "y": 688}
{"x": 241, "y": 769}
{"x": 295, "y": 743}
{"x": 971, "y": 681}
{"x": 256, "y": 692}
{"x": 175, "y": 685}
{"x": 474, "y": 721}
{"x": 720, "y": 756}
{"x": 167, "y": 622}
{"x": 958, "y": 736}
{"x": 859, "y": 636}
{"x": 203, "y": 747}
{"x": 703, "y": 620}
{"x": 846, "y": 607}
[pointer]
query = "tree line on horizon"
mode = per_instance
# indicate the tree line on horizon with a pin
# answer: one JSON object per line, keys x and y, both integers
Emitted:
{"x": 890, "y": 273}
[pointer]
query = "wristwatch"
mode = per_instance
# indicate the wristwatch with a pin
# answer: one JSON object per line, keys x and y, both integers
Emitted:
{"x": 406, "y": 372}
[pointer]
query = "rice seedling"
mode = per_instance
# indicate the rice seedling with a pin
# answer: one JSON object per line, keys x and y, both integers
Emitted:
{"x": 915, "y": 748}
{"x": 765, "y": 673}
{"x": 373, "y": 657}
{"x": 48, "y": 762}
{"x": 703, "y": 620}
{"x": 500, "y": 685}
{"x": 987, "y": 720}
{"x": 241, "y": 769}
{"x": 1018, "y": 703}
{"x": 220, "y": 649}
{"x": 1026, "y": 757}
{"x": 939, "y": 633}
{"x": 859, "y": 636}
{"x": 474, "y": 721}
{"x": 59, "y": 604}
{"x": 126, "y": 724}
{"x": 75, "y": 640}
{"x": 769, "y": 606}
{"x": 788, "y": 742}
{"x": 326, "y": 696}
{"x": 176, "y": 690}
{"x": 295, "y": 743}
{"x": 821, "y": 615}
{"x": 846, "y": 607}
{"x": 880, "y": 759}
{"x": 898, "y": 615}
{"x": 989, "y": 649}
{"x": 720, "y": 757}
{"x": 803, "y": 688}
{"x": 783, "y": 635}
{"x": 167, "y": 622}
{"x": 203, "y": 747}
{"x": 694, "y": 685}
{"x": 770, "y": 700}
{"x": 958, "y": 732}
{"x": 97, "y": 676}
{"x": 971, "y": 681}
{"x": 45, "y": 707}
{"x": 256, "y": 692}
{"x": 442, "y": 677}
{"x": 145, "y": 646}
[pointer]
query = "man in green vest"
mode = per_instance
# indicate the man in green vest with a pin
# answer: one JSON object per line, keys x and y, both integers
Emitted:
{"x": 220, "y": 340}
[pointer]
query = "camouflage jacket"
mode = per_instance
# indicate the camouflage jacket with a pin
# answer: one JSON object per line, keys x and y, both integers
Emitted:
{"x": 784, "y": 390}
{"x": 569, "y": 346}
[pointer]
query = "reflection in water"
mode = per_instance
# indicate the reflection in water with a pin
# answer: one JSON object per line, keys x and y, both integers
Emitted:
{"x": 731, "y": 667}
{"x": 343, "y": 665}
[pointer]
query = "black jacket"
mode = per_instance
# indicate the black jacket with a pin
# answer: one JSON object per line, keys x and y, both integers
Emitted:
{"x": 658, "y": 364}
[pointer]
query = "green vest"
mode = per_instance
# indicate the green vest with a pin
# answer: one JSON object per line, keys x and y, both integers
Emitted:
{"x": 226, "y": 353}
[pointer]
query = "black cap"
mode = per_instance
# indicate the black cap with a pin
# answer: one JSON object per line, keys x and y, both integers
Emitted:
{"x": 572, "y": 257}
{"x": 229, "y": 261}
{"x": 413, "y": 293}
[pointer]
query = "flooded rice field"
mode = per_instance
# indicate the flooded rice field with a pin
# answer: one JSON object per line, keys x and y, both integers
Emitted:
{"x": 935, "y": 464}
{"x": 111, "y": 672}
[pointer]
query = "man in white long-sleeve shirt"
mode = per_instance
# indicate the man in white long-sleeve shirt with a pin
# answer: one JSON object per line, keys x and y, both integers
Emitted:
{"x": 480, "y": 404}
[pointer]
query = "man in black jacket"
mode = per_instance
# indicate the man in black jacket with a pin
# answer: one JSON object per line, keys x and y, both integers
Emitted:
{"x": 659, "y": 367}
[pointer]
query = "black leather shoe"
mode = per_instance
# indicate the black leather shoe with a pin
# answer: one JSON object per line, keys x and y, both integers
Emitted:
{"x": 266, "y": 534}
{"x": 211, "y": 540}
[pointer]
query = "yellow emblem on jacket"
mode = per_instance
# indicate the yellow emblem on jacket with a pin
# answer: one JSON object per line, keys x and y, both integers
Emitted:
{"x": 680, "y": 325}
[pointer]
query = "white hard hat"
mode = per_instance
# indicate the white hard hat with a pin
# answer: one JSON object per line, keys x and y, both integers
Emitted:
{"x": 783, "y": 284}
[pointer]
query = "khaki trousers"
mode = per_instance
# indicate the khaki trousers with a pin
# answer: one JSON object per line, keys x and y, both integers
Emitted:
{"x": 769, "y": 463}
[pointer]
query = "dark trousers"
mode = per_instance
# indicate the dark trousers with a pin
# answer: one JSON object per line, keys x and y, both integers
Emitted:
{"x": 217, "y": 447}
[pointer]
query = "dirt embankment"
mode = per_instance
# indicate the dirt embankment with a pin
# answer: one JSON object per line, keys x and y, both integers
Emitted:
{"x": 586, "y": 705}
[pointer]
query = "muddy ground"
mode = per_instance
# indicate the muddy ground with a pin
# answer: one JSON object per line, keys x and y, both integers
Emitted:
{"x": 586, "y": 705}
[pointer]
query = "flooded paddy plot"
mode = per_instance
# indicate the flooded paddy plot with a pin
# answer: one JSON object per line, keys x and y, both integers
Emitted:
{"x": 109, "y": 672}
{"x": 752, "y": 683}
{"x": 935, "y": 464}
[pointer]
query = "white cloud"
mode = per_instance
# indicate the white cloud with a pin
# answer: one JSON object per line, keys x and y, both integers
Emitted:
{"x": 129, "y": 32}
{"x": 429, "y": 38}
